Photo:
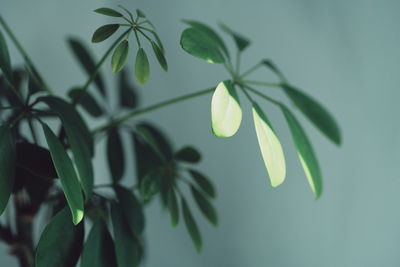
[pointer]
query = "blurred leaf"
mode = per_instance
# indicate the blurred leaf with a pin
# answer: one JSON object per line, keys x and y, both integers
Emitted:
{"x": 315, "y": 112}
{"x": 142, "y": 67}
{"x": 273, "y": 68}
{"x": 241, "y": 42}
{"x": 160, "y": 56}
{"x": 150, "y": 139}
{"x": 66, "y": 173}
{"x": 33, "y": 85}
{"x": 173, "y": 207}
{"x": 127, "y": 94}
{"x": 115, "y": 155}
{"x": 191, "y": 226}
{"x": 149, "y": 186}
{"x": 199, "y": 44}
{"x": 99, "y": 247}
{"x": 140, "y": 14}
{"x": 87, "y": 101}
{"x": 108, "y": 12}
{"x": 305, "y": 152}
{"x": 271, "y": 149}
{"x": 226, "y": 114}
{"x": 7, "y": 165}
{"x": 203, "y": 182}
{"x": 5, "y": 62}
{"x": 104, "y": 32}
{"x": 205, "y": 206}
{"x": 120, "y": 55}
{"x": 188, "y": 154}
{"x": 86, "y": 60}
{"x": 61, "y": 242}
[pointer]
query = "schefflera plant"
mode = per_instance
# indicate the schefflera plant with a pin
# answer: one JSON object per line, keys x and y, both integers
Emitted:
{"x": 203, "y": 42}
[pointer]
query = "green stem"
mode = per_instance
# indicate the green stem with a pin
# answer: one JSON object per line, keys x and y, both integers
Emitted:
{"x": 238, "y": 62}
{"x": 246, "y": 93}
{"x": 263, "y": 83}
{"x": 33, "y": 131}
{"x": 23, "y": 53}
{"x": 141, "y": 111}
{"x": 270, "y": 99}
{"x": 252, "y": 69}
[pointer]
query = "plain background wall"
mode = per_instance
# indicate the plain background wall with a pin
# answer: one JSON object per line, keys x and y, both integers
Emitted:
{"x": 344, "y": 53}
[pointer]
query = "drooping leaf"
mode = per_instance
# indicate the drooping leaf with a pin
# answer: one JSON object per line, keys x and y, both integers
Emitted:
{"x": 104, "y": 32}
{"x": 142, "y": 67}
{"x": 126, "y": 245}
{"x": 271, "y": 149}
{"x": 315, "y": 112}
{"x": 160, "y": 56}
{"x": 173, "y": 207}
{"x": 241, "y": 42}
{"x": 269, "y": 64}
{"x": 140, "y": 13}
{"x": 5, "y": 61}
{"x": 226, "y": 113}
{"x": 205, "y": 206}
{"x": 127, "y": 94}
{"x": 305, "y": 152}
{"x": 191, "y": 226}
{"x": 61, "y": 242}
{"x": 203, "y": 182}
{"x": 79, "y": 138}
{"x": 210, "y": 32}
{"x": 108, "y": 12}
{"x": 120, "y": 56}
{"x": 87, "y": 101}
{"x": 198, "y": 43}
{"x": 86, "y": 60}
{"x": 66, "y": 173}
{"x": 188, "y": 154}
{"x": 115, "y": 155}
{"x": 7, "y": 165}
{"x": 99, "y": 247}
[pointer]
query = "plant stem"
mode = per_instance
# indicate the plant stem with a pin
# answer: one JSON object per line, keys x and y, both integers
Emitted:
{"x": 138, "y": 112}
{"x": 263, "y": 83}
{"x": 270, "y": 99}
{"x": 23, "y": 53}
{"x": 252, "y": 69}
{"x": 238, "y": 62}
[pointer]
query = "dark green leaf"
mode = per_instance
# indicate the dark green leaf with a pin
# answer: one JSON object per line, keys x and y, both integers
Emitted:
{"x": 150, "y": 139}
{"x": 241, "y": 42}
{"x": 7, "y": 165}
{"x": 99, "y": 247}
{"x": 149, "y": 186}
{"x": 142, "y": 67}
{"x": 61, "y": 242}
{"x": 104, "y": 32}
{"x": 66, "y": 173}
{"x": 188, "y": 154}
{"x": 108, "y": 12}
{"x": 315, "y": 112}
{"x": 120, "y": 55}
{"x": 305, "y": 152}
{"x": 140, "y": 14}
{"x": 205, "y": 206}
{"x": 33, "y": 85}
{"x": 86, "y": 60}
{"x": 274, "y": 68}
{"x": 115, "y": 155}
{"x": 191, "y": 226}
{"x": 203, "y": 182}
{"x": 5, "y": 62}
{"x": 158, "y": 40}
{"x": 160, "y": 56}
{"x": 197, "y": 43}
{"x": 173, "y": 207}
{"x": 126, "y": 245}
{"x": 87, "y": 101}
{"x": 127, "y": 93}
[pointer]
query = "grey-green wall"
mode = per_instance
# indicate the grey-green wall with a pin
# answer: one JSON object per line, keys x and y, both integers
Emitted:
{"x": 345, "y": 53}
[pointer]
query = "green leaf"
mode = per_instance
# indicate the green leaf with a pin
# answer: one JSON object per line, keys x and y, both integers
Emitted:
{"x": 160, "y": 56}
{"x": 87, "y": 101}
{"x": 99, "y": 247}
{"x": 5, "y": 61}
{"x": 140, "y": 13}
{"x": 79, "y": 138}
{"x": 127, "y": 94}
{"x": 198, "y": 43}
{"x": 305, "y": 152}
{"x": 173, "y": 207}
{"x": 269, "y": 64}
{"x": 120, "y": 56}
{"x": 205, "y": 206}
{"x": 241, "y": 42}
{"x": 34, "y": 85}
{"x": 149, "y": 186}
{"x": 271, "y": 149}
{"x": 132, "y": 209}
{"x": 142, "y": 67}
{"x": 315, "y": 112}
{"x": 104, "y": 32}
{"x": 226, "y": 114}
{"x": 188, "y": 154}
{"x": 147, "y": 136}
{"x": 126, "y": 245}
{"x": 66, "y": 173}
{"x": 115, "y": 155}
{"x": 191, "y": 226}
{"x": 210, "y": 33}
{"x": 61, "y": 242}
{"x": 87, "y": 62}
{"x": 7, "y": 165}
{"x": 203, "y": 182}
{"x": 108, "y": 12}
